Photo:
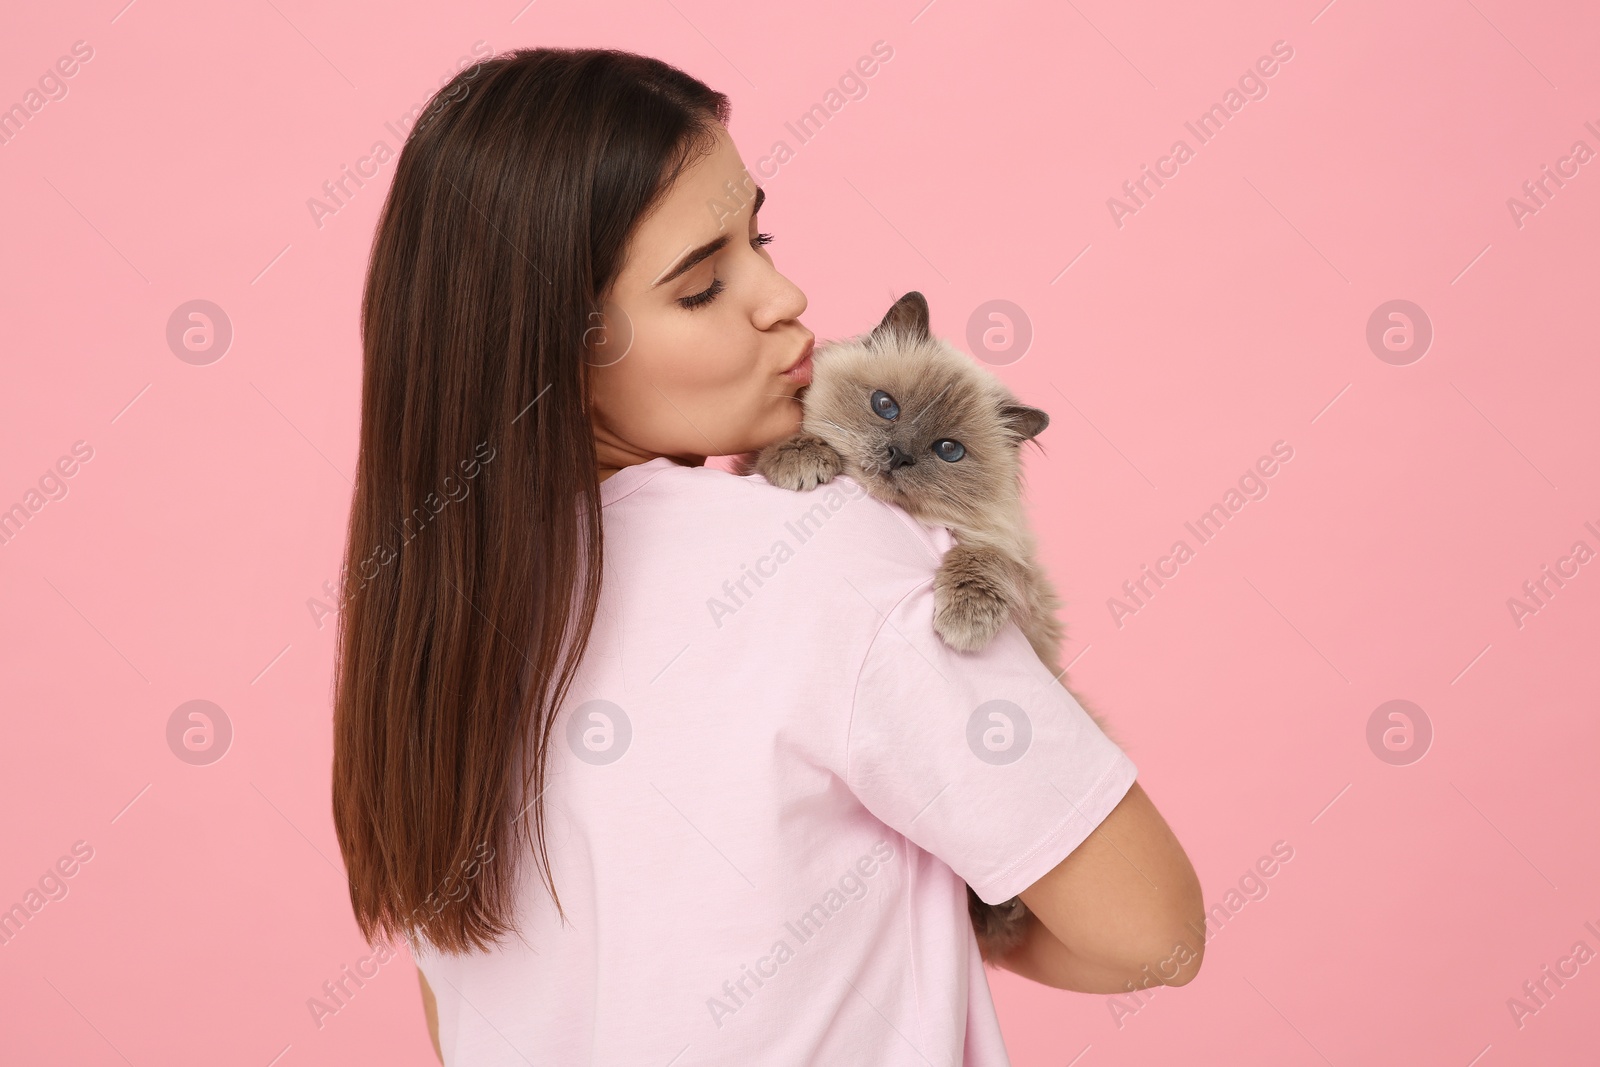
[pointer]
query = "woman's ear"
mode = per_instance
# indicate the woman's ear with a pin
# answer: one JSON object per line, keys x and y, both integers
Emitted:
{"x": 1023, "y": 421}
{"x": 908, "y": 317}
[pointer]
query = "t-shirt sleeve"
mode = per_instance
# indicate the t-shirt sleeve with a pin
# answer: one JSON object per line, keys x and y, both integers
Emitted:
{"x": 981, "y": 758}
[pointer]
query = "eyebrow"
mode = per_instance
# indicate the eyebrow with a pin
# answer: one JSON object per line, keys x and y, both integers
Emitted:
{"x": 710, "y": 248}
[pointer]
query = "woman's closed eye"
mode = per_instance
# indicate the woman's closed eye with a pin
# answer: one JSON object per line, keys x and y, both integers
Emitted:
{"x": 709, "y": 294}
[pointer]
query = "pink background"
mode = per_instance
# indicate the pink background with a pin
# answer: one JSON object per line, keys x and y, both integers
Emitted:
{"x": 1228, "y": 313}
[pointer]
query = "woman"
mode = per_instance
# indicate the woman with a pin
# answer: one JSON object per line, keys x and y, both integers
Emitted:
{"x": 740, "y": 766}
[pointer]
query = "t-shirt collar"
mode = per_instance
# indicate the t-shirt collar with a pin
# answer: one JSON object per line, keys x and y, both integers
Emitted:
{"x": 628, "y": 479}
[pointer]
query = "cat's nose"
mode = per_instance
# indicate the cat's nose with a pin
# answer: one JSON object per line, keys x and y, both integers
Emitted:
{"x": 899, "y": 458}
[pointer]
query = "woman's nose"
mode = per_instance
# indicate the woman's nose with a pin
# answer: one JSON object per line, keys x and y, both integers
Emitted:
{"x": 784, "y": 303}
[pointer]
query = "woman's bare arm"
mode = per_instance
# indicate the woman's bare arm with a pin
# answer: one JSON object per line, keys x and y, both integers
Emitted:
{"x": 1124, "y": 907}
{"x": 430, "y": 1008}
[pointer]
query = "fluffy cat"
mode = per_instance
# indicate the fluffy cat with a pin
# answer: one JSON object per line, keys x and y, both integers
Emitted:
{"x": 916, "y": 422}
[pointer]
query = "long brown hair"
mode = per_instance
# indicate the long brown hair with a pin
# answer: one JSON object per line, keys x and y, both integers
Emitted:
{"x": 468, "y": 592}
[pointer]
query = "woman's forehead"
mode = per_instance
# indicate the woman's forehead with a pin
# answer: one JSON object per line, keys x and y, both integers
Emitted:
{"x": 711, "y": 193}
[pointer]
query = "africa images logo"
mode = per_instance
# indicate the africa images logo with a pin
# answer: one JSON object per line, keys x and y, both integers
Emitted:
{"x": 852, "y": 885}
{"x": 737, "y": 592}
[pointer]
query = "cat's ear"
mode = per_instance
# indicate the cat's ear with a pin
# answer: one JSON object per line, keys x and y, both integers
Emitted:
{"x": 1023, "y": 421}
{"x": 908, "y": 318}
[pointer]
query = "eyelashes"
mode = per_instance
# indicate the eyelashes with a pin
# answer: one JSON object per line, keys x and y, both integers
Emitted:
{"x": 710, "y": 293}
{"x": 702, "y": 298}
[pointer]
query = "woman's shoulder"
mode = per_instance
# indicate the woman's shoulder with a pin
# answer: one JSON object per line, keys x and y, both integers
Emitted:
{"x": 839, "y": 514}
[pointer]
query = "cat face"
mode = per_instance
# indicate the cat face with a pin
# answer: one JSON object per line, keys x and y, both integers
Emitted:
{"x": 917, "y": 421}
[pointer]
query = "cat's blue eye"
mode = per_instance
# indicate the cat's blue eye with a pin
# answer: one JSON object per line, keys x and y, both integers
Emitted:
{"x": 883, "y": 404}
{"x": 948, "y": 450}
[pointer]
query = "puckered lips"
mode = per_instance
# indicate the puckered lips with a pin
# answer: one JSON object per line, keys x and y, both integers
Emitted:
{"x": 800, "y": 369}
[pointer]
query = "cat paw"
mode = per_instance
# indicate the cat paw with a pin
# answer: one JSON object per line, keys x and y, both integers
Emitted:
{"x": 1000, "y": 928}
{"x": 802, "y": 462}
{"x": 970, "y": 604}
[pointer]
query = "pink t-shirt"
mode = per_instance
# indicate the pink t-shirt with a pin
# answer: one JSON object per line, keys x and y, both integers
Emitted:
{"x": 769, "y": 782}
